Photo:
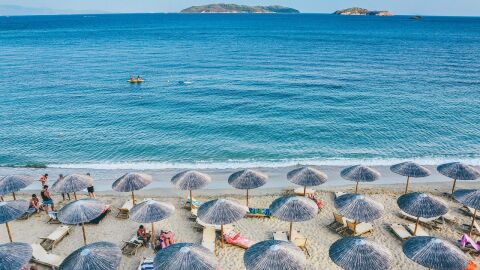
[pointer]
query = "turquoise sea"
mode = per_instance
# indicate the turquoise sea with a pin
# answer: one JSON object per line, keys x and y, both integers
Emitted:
{"x": 237, "y": 90}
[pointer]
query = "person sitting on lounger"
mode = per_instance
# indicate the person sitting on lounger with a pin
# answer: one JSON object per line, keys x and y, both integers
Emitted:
{"x": 47, "y": 200}
{"x": 143, "y": 235}
{"x": 166, "y": 238}
{"x": 34, "y": 203}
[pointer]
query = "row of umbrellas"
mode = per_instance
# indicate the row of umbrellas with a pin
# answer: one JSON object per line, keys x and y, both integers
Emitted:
{"x": 350, "y": 253}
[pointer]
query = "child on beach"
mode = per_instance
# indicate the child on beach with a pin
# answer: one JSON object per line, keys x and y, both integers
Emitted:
{"x": 91, "y": 190}
{"x": 47, "y": 200}
{"x": 43, "y": 179}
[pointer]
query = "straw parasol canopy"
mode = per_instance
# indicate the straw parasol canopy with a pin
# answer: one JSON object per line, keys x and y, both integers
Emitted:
{"x": 185, "y": 256}
{"x": 293, "y": 209}
{"x": 422, "y": 205}
{"x": 191, "y": 180}
{"x": 410, "y": 169}
{"x": 81, "y": 212}
{"x": 435, "y": 253}
{"x": 72, "y": 183}
{"x": 14, "y": 255}
{"x": 307, "y": 177}
{"x": 458, "y": 171}
{"x": 357, "y": 253}
{"x": 13, "y": 183}
{"x": 130, "y": 182}
{"x": 358, "y": 208}
{"x": 151, "y": 211}
{"x": 10, "y": 210}
{"x": 469, "y": 198}
{"x": 247, "y": 179}
{"x": 360, "y": 173}
{"x": 94, "y": 256}
{"x": 221, "y": 212}
{"x": 274, "y": 254}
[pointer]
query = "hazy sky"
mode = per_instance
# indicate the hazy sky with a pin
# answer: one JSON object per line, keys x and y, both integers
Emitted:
{"x": 424, "y": 7}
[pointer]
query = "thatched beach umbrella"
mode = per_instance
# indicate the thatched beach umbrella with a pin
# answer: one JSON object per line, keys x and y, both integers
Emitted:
{"x": 360, "y": 173}
{"x": 10, "y": 210}
{"x": 81, "y": 212}
{"x": 293, "y": 209}
{"x": 422, "y": 205}
{"x": 191, "y": 180}
{"x": 274, "y": 254}
{"x": 130, "y": 182}
{"x": 410, "y": 169}
{"x": 185, "y": 256}
{"x": 14, "y": 255}
{"x": 247, "y": 179}
{"x": 72, "y": 183}
{"x": 307, "y": 177}
{"x": 13, "y": 183}
{"x": 357, "y": 253}
{"x": 94, "y": 256}
{"x": 470, "y": 198}
{"x": 458, "y": 171}
{"x": 221, "y": 212}
{"x": 359, "y": 208}
{"x": 435, "y": 253}
{"x": 151, "y": 211}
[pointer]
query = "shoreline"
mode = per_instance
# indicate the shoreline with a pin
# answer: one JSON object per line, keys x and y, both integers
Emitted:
{"x": 103, "y": 178}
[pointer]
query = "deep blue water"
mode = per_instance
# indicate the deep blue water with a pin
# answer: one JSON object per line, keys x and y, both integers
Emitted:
{"x": 273, "y": 89}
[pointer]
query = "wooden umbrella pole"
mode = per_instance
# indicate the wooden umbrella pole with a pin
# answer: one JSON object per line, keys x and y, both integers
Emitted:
{"x": 473, "y": 222}
{"x": 133, "y": 198}
{"x": 221, "y": 234}
{"x": 356, "y": 188}
{"x": 453, "y": 188}
{"x": 191, "y": 200}
{"x": 247, "y": 197}
{"x": 416, "y": 226}
{"x": 290, "y": 235}
{"x": 304, "y": 191}
{"x": 75, "y": 195}
{"x": 354, "y": 227}
{"x": 153, "y": 234}
{"x": 84, "y": 236}
{"x": 14, "y": 198}
{"x": 8, "y": 231}
{"x": 406, "y": 187}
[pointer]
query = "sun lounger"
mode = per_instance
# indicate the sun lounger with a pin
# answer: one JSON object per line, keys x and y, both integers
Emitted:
{"x": 448, "y": 217}
{"x": 195, "y": 204}
{"x": 420, "y": 230}
{"x": 476, "y": 228}
{"x": 49, "y": 242}
{"x": 259, "y": 213}
{"x": 299, "y": 240}
{"x": 131, "y": 246}
{"x": 208, "y": 238}
{"x": 193, "y": 214}
{"x": 469, "y": 211}
{"x": 233, "y": 237}
{"x": 400, "y": 231}
{"x": 360, "y": 228}
{"x": 146, "y": 264}
{"x": 30, "y": 212}
{"x": 41, "y": 256}
{"x": 201, "y": 225}
{"x": 281, "y": 236}
{"x": 53, "y": 217}
{"x": 125, "y": 209}
{"x": 426, "y": 222}
{"x": 339, "y": 223}
{"x": 338, "y": 194}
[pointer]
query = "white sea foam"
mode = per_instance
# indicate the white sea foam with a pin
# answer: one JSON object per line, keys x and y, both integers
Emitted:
{"x": 235, "y": 164}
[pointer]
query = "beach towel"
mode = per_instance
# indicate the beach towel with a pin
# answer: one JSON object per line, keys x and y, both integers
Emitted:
{"x": 195, "y": 203}
{"x": 466, "y": 239}
{"x": 147, "y": 264}
{"x": 471, "y": 265}
{"x": 234, "y": 238}
{"x": 259, "y": 211}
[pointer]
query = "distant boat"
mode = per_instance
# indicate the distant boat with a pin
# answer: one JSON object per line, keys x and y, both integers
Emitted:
{"x": 135, "y": 80}
{"x": 415, "y": 17}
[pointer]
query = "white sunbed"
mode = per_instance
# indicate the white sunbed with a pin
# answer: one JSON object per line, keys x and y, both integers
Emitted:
{"x": 360, "y": 229}
{"x": 55, "y": 237}
{"x": 123, "y": 212}
{"x": 208, "y": 238}
{"x": 282, "y": 236}
{"x": 41, "y": 256}
{"x": 420, "y": 230}
{"x": 400, "y": 231}
{"x": 339, "y": 193}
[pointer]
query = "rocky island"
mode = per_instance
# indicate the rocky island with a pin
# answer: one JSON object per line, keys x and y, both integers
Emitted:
{"x": 233, "y": 8}
{"x": 362, "y": 11}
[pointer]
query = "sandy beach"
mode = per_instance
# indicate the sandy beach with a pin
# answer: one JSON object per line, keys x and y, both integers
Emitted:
{"x": 319, "y": 236}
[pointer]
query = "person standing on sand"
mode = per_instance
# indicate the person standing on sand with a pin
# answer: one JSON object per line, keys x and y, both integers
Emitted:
{"x": 91, "y": 190}
{"x": 43, "y": 179}
{"x": 60, "y": 177}
{"x": 47, "y": 200}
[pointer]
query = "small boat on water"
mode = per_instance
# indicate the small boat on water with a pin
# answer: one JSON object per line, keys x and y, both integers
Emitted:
{"x": 135, "y": 80}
